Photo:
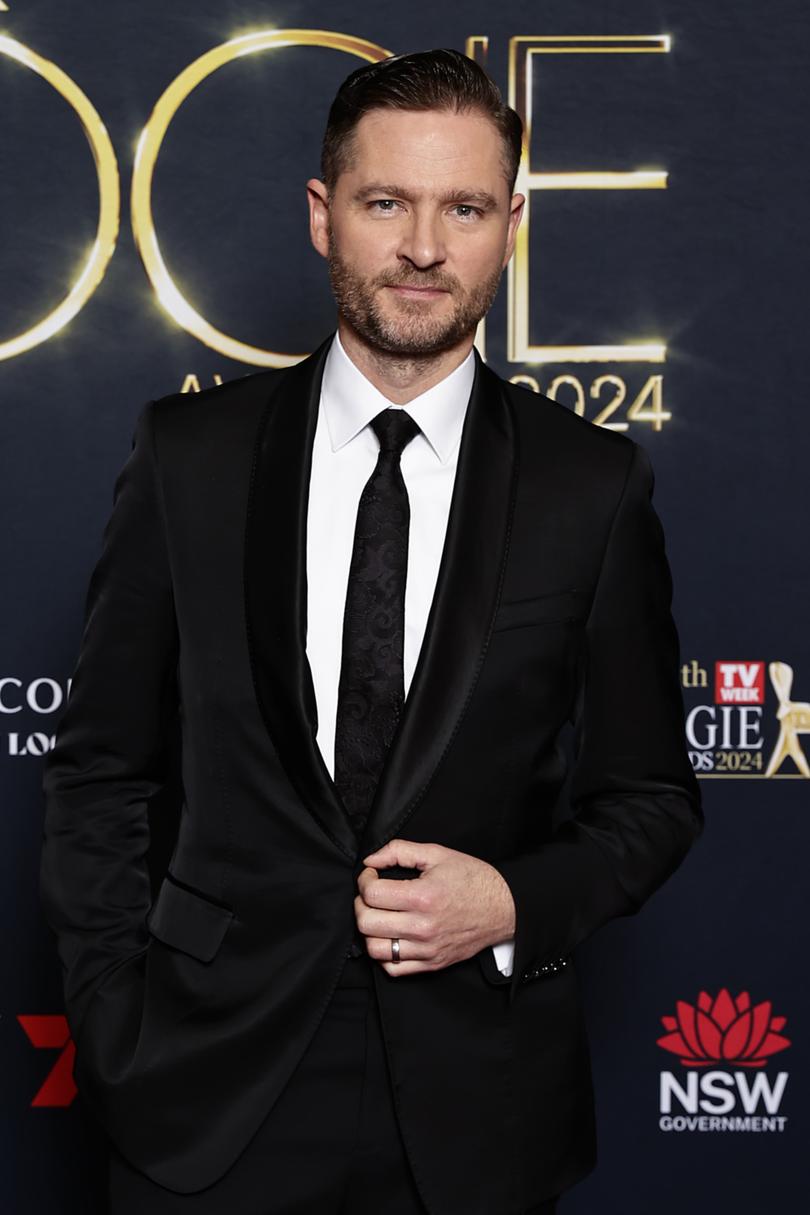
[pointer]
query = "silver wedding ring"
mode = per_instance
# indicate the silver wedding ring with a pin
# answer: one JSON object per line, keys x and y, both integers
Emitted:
{"x": 394, "y": 949}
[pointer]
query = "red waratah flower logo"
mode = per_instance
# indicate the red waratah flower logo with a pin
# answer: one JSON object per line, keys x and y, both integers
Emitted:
{"x": 723, "y": 1030}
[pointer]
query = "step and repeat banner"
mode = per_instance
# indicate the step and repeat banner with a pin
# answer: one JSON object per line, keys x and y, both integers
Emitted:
{"x": 154, "y": 239}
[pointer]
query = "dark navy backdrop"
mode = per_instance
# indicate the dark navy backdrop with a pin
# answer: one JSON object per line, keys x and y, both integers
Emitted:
{"x": 713, "y": 266}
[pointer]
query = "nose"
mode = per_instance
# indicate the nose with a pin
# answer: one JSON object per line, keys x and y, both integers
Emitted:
{"x": 423, "y": 240}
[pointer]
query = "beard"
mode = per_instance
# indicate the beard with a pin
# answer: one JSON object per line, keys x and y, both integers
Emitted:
{"x": 409, "y": 330}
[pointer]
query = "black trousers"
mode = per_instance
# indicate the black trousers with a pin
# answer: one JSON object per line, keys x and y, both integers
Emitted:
{"x": 330, "y": 1145}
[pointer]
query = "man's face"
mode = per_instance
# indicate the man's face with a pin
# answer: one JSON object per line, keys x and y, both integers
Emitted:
{"x": 418, "y": 228}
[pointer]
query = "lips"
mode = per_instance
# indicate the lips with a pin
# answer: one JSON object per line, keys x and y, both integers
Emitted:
{"x": 409, "y": 292}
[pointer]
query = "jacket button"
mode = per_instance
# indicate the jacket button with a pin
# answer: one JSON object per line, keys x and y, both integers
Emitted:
{"x": 354, "y": 950}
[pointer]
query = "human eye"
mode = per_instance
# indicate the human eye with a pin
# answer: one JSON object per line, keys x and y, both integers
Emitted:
{"x": 467, "y": 212}
{"x": 384, "y": 206}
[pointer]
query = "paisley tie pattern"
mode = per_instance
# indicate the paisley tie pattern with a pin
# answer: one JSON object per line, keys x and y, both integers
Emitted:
{"x": 371, "y": 687}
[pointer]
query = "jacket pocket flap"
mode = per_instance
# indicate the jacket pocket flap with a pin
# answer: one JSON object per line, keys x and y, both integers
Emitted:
{"x": 188, "y": 921}
{"x": 543, "y": 609}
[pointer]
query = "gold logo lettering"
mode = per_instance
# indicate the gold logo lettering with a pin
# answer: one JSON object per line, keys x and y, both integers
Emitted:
{"x": 109, "y": 192}
{"x": 143, "y": 226}
{"x": 522, "y": 51}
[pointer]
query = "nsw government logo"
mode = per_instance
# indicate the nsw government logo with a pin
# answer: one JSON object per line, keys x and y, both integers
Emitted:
{"x": 725, "y": 1044}
{"x": 743, "y": 720}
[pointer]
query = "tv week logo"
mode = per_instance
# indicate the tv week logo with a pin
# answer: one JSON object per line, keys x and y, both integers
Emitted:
{"x": 739, "y": 683}
{"x": 710, "y": 1038}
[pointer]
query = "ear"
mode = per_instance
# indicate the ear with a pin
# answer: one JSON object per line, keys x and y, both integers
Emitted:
{"x": 318, "y": 199}
{"x": 515, "y": 216}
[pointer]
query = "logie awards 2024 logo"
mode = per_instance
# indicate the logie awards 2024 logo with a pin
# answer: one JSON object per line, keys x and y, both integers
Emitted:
{"x": 724, "y": 1043}
{"x": 743, "y": 720}
{"x": 616, "y": 384}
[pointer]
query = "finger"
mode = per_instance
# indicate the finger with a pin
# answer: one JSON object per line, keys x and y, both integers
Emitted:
{"x": 393, "y": 894}
{"x": 410, "y": 853}
{"x": 379, "y": 948}
{"x": 365, "y": 876}
{"x": 402, "y": 969}
{"x": 373, "y": 922}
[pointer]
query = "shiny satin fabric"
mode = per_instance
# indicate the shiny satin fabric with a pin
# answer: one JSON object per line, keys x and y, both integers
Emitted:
{"x": 551, "y": 611}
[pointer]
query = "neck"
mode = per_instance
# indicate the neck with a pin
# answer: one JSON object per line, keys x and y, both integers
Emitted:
{"x": 400, "y": 378}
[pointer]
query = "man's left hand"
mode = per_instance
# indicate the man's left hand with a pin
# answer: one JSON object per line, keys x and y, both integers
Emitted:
{"x": 457, "y": 906}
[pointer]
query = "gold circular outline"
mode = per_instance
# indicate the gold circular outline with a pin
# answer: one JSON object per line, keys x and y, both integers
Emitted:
{"x": 109, "y": 199}
{"x": 152, "y": 136}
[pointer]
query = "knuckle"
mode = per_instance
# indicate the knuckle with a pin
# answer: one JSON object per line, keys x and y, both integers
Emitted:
{"x": 423, "y": 900}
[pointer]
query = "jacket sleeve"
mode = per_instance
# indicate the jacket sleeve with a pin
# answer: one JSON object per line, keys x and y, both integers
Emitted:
{"x": 635, "y": 802}
{"x": 108, "y": 757}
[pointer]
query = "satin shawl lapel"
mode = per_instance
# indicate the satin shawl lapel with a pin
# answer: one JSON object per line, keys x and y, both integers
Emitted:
{"x": 276, "y": 591}
{"x": 465, "y": 600}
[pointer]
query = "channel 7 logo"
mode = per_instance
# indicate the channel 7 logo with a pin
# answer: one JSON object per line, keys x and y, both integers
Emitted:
{"x": 52, "y": 1033}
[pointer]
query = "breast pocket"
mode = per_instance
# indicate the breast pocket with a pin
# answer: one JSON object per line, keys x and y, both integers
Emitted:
{"x": 558, "y": 606}
{"x": 188, "y": 921}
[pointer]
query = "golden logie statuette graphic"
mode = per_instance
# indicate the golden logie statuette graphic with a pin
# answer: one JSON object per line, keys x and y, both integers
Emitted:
{"x": 146, "y": 156}
{"x": 794, "y": 719}
{"x": 109, "y": 193}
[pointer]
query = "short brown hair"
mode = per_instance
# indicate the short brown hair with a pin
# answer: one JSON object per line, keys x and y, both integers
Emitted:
{"x": 424, "y": 80}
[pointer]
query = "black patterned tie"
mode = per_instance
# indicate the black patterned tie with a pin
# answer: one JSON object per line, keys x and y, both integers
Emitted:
{"x": 371, "y": 691}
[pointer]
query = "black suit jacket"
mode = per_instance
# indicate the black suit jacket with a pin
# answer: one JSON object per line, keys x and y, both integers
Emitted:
{"x": 552, "y": 604}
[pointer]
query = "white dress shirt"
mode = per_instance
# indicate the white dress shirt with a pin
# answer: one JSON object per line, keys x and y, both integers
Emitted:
{"x": 344, "y": 454}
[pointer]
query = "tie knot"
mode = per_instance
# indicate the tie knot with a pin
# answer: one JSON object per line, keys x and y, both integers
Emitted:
{"x": 394, "y": 428}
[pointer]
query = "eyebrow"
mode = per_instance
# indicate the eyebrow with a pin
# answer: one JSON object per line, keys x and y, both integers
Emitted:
{"x": 478, "y": 198}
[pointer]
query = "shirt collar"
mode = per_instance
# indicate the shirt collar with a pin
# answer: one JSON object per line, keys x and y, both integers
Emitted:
{"x": 351, "y": 401}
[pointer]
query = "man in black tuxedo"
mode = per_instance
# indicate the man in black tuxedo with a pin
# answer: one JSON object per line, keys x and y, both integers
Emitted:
{"x": 372, "y": 589}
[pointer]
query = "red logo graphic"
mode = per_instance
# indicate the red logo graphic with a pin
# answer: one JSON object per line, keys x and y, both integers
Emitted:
{"x": 52, "y": 1033}
{"x": 723, "y": 1030}
{"x": 739, "y": 683}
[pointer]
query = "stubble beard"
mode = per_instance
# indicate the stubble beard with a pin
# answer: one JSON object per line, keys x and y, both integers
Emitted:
{"x": 411, "y": 332}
